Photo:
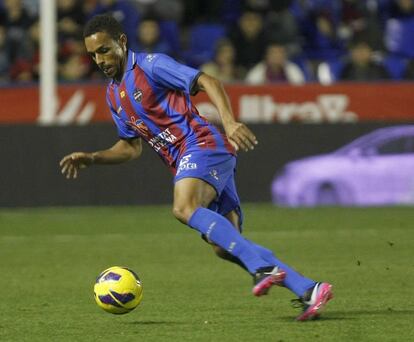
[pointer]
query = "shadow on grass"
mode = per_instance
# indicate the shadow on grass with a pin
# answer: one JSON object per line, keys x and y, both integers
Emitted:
{"x": 378, "y": 312}
{"x": 324, "y": 318}
{"x": 355, "y": 314}
{"x": 154, "y": 323}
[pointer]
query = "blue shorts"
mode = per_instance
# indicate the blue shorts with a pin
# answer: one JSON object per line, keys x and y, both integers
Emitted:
{"x": 217, "y": 169}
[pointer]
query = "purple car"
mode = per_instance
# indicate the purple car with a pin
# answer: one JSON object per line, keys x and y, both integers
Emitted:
{"x": 375, "y": 169}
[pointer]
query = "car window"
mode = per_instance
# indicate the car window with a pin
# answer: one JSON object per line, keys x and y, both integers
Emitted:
{"x": 397, "y": 146}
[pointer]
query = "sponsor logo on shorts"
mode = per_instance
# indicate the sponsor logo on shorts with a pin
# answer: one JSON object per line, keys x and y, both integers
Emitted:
{"x": 185, "y": 164}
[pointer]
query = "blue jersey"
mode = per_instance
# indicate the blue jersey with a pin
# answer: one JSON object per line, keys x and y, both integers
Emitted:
{"x": 153, "y": 102}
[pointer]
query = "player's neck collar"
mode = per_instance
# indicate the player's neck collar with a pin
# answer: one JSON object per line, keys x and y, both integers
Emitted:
{"x": 131, "y": 60}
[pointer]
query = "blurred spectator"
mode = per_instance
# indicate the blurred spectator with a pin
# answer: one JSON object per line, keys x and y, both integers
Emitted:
{"x": 88, "y": 8}
{"x": 275, "y": 68}
{"x": 162, "y": 9}
{"x": 170, "y": 33}
{"x": 75, "y": 67}
{"x": 328, "y": 8}
{"x": 201, "y": 11}
{"x": 409, "y": 70}
{"x": 248, "y": 39}
{"x": 76, "y": 49}
{"x": 399, "y": 31}
{"x": 321, "y": 40}
{"x": 223, "y": 67}
{"x": 4, "y": 56}
{"x": 201, "y": 42}
{"x": 17, "y": 21}
{"x": 264, "y": 6}
{"x": 15, "y": 15}
{"x": 319, "y": 30}
{"x": 70, "y": 19}
{"x": 21, "y": 71}
{"x": 148, "y": 38}
{"x": 362, "y": 66}
{"x": 401, "y": 9}
{"x": 281, "y": 26}
{"x": 33, "y": 49}
{"x": 361, "y": 17}
{"x": 73, "y": 63}
{"x": 124, "y": 11}
{"x": 230, "y": 11}
{"x": 26, "y": 68}
{"x": 32, "y": 7}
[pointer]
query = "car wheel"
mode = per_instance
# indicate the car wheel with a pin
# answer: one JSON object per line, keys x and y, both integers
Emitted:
{"x": 327, "y": 194}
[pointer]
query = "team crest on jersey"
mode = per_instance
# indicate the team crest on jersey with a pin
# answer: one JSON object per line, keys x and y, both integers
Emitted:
{"x": 139, "y": 126}
{"x": 138, "y": 95}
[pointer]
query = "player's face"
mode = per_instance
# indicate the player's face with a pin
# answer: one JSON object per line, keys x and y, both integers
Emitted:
{"x": 107, "y": 53}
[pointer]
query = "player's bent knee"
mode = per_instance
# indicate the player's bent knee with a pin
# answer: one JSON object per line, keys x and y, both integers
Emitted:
{"x": 178, "y": 214}
{"x": 182, "y": 214}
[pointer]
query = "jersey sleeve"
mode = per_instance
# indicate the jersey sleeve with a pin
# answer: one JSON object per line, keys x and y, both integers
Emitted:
{"x": 171, "y": 74}
{"x": 124, "y": 131}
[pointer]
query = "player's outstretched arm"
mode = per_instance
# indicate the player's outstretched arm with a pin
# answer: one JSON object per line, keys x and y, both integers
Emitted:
{"x": 238, "y": 133}
{"x": 122, "y": 151}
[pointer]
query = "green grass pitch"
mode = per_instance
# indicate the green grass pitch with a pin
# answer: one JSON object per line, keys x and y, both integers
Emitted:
{"x": 49, "y": 259}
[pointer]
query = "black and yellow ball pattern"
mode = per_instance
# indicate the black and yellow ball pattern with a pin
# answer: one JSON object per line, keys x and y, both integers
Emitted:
{"x": 118, "y": 290}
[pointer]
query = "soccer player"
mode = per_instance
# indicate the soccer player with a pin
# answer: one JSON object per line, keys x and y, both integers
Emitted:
{"x": 149, "y": 99}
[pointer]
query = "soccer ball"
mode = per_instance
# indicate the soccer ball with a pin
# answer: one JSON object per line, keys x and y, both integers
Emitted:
{"x": 118, "y": 290}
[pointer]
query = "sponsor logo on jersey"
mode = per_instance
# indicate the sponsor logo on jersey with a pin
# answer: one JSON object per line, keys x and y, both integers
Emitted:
{"x": 139, "y": 126}
{"x": 162, "y": 139}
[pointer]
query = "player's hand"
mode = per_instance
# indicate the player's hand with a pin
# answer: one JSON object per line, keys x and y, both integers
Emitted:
{"x": 240, "y": 136}
{"x": 71, "y": 163}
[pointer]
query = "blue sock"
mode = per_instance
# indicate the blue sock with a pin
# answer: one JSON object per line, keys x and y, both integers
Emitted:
{"x": 294, "y": 281}
{"x": 219, "y": 230}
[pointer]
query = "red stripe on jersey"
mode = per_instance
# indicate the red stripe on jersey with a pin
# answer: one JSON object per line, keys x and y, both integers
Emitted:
{"x": 158, "y": 116}
{"x": 152, "y": 106}
{"x": 178, "y": 102}
{"x": 229, "y": 147}
{"x": 143, "y": 130}
{"x": 195, "y": 110}
{"x": 205, "y": 138}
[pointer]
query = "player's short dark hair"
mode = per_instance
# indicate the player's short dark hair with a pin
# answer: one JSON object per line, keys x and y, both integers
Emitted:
{"x": 103, "y": 23}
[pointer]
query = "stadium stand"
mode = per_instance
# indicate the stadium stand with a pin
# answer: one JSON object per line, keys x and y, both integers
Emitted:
{"x": 316, "y": 33}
